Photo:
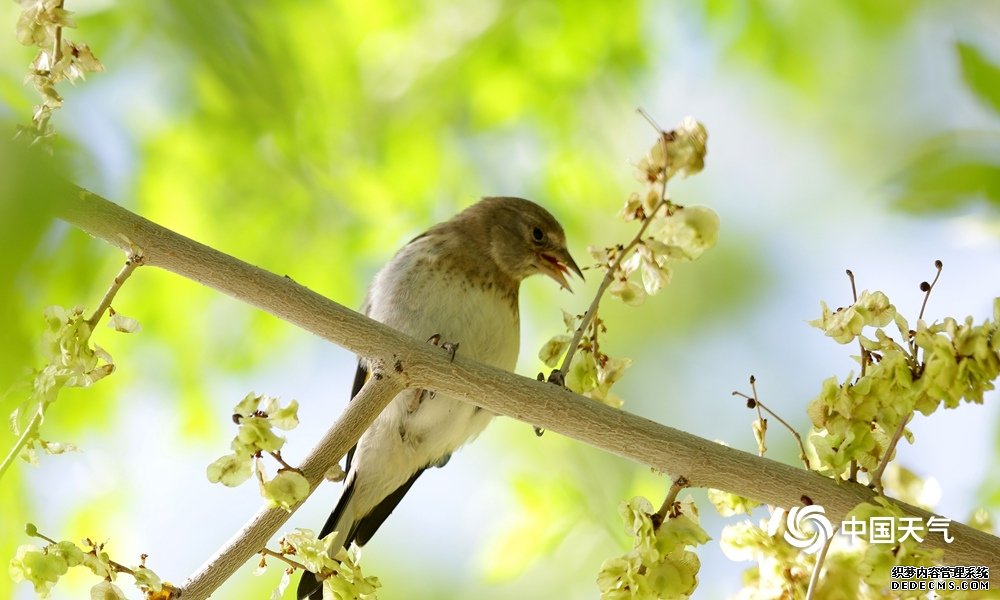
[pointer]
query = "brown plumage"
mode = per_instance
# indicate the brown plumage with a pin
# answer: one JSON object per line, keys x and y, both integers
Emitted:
{"x": 459, "y": 281}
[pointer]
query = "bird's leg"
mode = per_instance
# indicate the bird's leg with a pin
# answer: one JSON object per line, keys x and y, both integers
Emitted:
{"x": 418, "y": 398}
{"x": 450, "y": 347}
{"x": 538, "y": 430}
{"x": 420, "y": 395}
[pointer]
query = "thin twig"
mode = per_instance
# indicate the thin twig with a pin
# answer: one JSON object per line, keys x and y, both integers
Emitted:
{"x": 929, "y": 286}
{"x": 42, "y": 536}
{"x": 117, "y": 566}
{"x": 795, "y": 434}
{"x": 926, "y": 288}
{"x": 762, "y": 446}
{"x": 865, "y": 358}
{"x": 133, "y": 261}
{"x": 57, "y": 45}
{"x": 865, "y": 355}
{"x": 287, "y": 467}
{"x": 877, "y": 474}
{"x": 649, "y": 118}
{"x": 668, "y": 503}
{"x": 294, "y": 564}
{"x": 174, "y": 592}
{"x": 28, "y": 433}
{"x": 814, "y": 579}
{"x": 609, "y": 276}
{"x": 94, "y": 548}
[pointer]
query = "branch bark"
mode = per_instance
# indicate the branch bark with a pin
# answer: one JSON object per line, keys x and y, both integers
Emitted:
{"x": 702, "y": 462}
{"x": 373, "y": 397}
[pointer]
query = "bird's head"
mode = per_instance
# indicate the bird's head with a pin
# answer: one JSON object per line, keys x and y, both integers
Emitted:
{"x": 525, "y": 239}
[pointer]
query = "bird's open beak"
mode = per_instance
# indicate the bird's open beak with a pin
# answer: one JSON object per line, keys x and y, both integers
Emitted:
{"x": 557, "y": 264}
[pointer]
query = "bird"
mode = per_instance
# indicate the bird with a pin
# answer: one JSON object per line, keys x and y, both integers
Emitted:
{"x": 457, "y": 285}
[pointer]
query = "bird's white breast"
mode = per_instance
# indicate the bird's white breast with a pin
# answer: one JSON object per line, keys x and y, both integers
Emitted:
{"x": 422, "y": 294}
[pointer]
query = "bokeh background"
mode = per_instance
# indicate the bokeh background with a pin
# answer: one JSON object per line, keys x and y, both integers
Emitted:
{"x": 313, "y": 138}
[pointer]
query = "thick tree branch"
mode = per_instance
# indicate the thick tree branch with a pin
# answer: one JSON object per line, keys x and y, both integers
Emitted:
{"x": 704, "y": 463}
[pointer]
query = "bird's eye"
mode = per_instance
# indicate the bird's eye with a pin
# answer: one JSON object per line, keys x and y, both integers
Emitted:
{"x": 537, "y": 234}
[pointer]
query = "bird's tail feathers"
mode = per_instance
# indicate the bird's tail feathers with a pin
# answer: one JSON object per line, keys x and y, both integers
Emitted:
{"x": 341, "y": 520}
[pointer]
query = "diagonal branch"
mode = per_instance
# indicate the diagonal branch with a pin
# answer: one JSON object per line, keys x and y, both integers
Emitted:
{"x": 704, "y": 463}
{"x": 249, "y": 541}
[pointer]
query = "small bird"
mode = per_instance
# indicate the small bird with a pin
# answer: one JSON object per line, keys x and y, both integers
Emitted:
{"x": 456, "y": 283}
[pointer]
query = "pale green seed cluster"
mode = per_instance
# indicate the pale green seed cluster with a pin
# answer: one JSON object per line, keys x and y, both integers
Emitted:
{"x": 43, "y": 566}
{"x": 58, "y": 59}
{"x": 660, "y": 564}
{"x": 917, "y": 370}
{"x": 877, "y": 559}
{"x": 856, "y": 423}
{"x": 728, "y": 504}
{"x": 258, "y": 416}
{"x": 71, "y": 361}
{"x": 340, "y": 572}
{"x": 669, "y": 233}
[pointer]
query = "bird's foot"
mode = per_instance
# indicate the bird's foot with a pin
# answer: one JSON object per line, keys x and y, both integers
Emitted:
{"x": 450, "y": 347}
{"x": 538, "y": 430}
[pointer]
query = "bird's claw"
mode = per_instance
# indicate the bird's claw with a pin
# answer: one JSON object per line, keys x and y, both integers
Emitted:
{"x": 538, "y": 430}
{"x": 450, "y": 347}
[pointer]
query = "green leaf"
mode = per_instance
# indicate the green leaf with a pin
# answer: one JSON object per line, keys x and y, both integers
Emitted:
{"x": 950, "y": 171}
{"x": 982, "y": 75}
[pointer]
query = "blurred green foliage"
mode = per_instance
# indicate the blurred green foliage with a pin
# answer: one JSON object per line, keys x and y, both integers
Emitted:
{"x": 803, "y": 43}
{"x": 982, "y": 75}
{"x": 950, "y": 171}
{"x": 962, "y": 167}
{"x": 31, "y": 186}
